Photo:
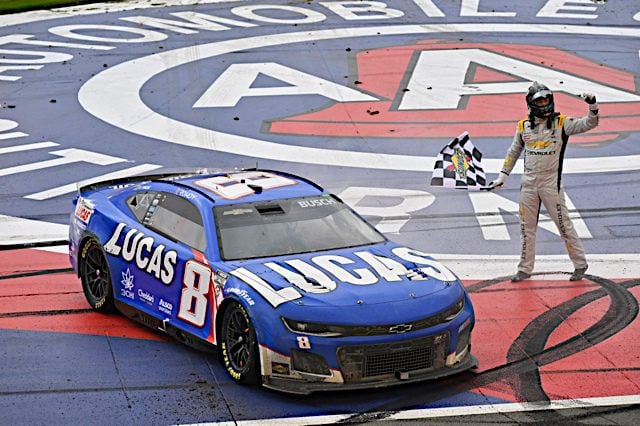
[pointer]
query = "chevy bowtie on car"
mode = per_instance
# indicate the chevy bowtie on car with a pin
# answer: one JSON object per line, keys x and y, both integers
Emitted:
{"x": 290, "y": 286}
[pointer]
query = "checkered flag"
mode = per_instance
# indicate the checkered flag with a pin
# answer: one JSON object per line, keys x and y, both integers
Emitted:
{"x": 459, "y": 166}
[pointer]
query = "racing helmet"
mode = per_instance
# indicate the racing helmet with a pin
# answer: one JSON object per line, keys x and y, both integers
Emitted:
{"x": 535, "y": 92}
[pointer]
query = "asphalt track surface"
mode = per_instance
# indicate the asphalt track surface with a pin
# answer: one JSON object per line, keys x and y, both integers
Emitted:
{"x": 550, "y": 350}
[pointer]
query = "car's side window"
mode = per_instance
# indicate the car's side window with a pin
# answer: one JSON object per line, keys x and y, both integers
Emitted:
{"x": 176, "y": 218}
{"x": 139, "y": 204}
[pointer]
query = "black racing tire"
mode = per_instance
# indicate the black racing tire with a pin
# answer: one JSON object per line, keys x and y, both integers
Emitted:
{"x": 239, "y": 346}
{"x": 96, "y": 277}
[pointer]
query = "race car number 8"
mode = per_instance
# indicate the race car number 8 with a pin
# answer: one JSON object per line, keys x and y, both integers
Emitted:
{"x": 239, "y": 185}
{"x": 196, "y": 283}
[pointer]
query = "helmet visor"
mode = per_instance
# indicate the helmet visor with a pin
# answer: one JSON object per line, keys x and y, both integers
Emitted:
{"x": 541, "y": 94}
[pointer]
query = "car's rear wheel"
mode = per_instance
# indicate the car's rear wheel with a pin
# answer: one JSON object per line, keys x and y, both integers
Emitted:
{"x": 239, "y": 345}
{"x": 95, "y": 277}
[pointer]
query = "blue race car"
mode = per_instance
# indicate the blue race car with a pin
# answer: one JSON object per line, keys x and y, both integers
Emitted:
{"x": 288, "y": 284}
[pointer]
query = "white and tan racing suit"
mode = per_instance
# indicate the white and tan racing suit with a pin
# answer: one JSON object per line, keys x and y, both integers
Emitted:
{"x": 544, "y": 146}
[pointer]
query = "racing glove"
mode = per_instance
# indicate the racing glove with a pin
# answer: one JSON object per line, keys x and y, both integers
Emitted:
{"x": 590, "y": 98}
{"x": 502, "y": 178}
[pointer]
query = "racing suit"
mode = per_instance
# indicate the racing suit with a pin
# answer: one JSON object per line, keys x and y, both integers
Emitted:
{"x": 544, "y": 143}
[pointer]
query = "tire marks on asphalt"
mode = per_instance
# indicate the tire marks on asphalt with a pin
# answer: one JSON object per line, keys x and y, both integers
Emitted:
{"x": 527, "y": 353}
{"x": 623, "y": 309}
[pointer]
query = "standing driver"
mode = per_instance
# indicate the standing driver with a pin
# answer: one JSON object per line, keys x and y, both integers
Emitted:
{"x": 543, "y": 137}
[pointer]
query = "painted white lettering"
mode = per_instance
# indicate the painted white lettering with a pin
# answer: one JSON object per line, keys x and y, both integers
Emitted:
{"x": 489, "y": 205}
{"x": 195, "y": 22}
{"x": 112, "y": 246}
{"x": 552, "y": 9}
{"x": 71, "y": 187}
{"x": 429, "y": 9}
{"x": 361, "y": 10}
{"x": 358, "y": 277}
{"x": 6, "y": 125}
{"x": 470, "y": 8}
{"x": 395, "y": 216}
{"x": 68, "y": 156}
{"x": 75, "y": 32}
{"x": 33, "y": 58}
{"x": 487, "y": 209}
{"x": 237, "y": 80}
{"x": 308, "y": 16}
{"x": 447, "y": 89}
{"x": 23, "y": 147}
{"x": 28, "y": 40}
{"x": 30, "y": 57}
{"x": 16, "y": 68}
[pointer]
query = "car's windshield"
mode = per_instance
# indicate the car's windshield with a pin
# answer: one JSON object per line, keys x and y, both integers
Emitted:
{"x": 281, "y": 227}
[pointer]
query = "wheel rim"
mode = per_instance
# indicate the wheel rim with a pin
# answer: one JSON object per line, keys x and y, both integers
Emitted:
{"x": 238, "y": 340}
{"x": 96, "y": 273}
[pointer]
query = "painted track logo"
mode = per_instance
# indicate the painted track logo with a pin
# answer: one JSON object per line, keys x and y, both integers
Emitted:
{"x": 202, "y": 82}
{"x": 128, "y": 110}
{"x": 155, "y": 68}
{"x": 438, "y": 88}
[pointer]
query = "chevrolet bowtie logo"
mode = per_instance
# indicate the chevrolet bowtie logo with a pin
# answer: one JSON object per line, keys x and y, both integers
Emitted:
{"x": 400, "y": 328}
{"x": 539, "y": 144}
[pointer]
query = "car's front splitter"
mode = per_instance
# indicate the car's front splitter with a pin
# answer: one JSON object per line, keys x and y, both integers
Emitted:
{"x": 305, "y": 387}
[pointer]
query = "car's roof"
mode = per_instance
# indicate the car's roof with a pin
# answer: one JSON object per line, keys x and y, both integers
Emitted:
{"x": 223, "y": 187}
{"x": 250, "y": 185}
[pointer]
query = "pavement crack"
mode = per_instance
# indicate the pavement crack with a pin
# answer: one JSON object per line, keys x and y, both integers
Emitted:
{"x": 120, "y": 378}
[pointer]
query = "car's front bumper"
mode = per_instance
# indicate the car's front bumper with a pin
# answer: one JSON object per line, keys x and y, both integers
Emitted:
{"x": 310, "y": 384}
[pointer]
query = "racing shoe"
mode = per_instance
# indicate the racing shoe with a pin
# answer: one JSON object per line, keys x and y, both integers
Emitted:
{"x": 578, "y": 274}
{"x": 520, "y": 276}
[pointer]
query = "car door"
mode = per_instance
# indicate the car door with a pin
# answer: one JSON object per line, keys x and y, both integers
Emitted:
{"x": 170, "y": 256}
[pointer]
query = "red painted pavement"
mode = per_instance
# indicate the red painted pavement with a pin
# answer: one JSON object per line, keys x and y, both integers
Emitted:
{"x": 35, "y": 302}
{"x": 54, "y": 302}
{"x": 383, "y": 119}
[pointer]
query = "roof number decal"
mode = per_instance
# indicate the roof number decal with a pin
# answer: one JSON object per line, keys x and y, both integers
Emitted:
{"x": 240, "y": 185}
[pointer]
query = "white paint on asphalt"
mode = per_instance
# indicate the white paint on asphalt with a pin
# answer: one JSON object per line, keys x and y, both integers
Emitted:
{"x": 458, "y": 411}
{"x": 97, "y": 9}
{"x": 69, "y": 188}
{"x": 15, "y": 230}
{"x": 67, "y": 156}
{"x": 27, "y": 147}
{"x": 114, "y": 97}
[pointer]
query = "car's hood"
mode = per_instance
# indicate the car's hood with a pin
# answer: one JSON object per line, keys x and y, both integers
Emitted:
{"x": 363, "y": 276}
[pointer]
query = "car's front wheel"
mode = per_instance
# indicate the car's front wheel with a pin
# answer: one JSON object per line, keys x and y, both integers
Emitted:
{"x": 95, "y": 277}
{"x": 239, "y": 345}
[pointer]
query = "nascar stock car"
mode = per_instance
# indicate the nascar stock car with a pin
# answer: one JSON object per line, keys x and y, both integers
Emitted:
{"x": 289, "y": 285}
